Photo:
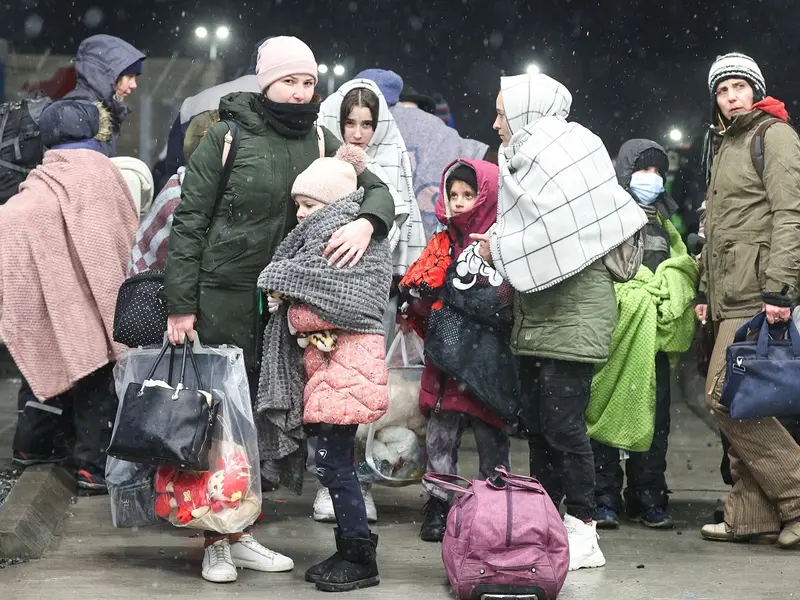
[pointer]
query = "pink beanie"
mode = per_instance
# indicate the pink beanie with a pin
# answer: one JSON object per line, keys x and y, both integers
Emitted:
{"x": 328, "y": 180}
{"x": 282, "y": 56}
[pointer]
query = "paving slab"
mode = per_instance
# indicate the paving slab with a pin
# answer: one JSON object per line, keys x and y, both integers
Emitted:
{"x": 93, "y": 560}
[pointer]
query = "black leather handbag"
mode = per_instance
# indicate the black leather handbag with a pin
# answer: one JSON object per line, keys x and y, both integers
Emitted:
{"x": 165, "y": 426}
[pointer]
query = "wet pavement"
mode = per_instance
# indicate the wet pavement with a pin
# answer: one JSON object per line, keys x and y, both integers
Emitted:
{"x": 93, "y": 560}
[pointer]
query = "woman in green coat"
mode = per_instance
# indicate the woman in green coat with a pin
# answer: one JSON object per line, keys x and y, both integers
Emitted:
{"x": 218, "y": 248}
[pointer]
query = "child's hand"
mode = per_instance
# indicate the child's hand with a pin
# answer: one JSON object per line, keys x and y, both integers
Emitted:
{"x": 273, "y": 304}
{"x": 483, "y": 248}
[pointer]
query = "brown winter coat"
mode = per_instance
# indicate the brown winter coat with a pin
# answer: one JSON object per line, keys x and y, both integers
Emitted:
{"x": 752, "y": 226}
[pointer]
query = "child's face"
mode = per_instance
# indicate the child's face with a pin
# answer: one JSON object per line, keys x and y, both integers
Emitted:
{"x": 359, "y": 128}
{"x": 306, "y": 206}
{"x": 462, "y": 197}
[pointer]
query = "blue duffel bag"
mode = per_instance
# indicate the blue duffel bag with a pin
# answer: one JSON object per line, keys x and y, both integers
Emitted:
{"x": 762, "y": 376}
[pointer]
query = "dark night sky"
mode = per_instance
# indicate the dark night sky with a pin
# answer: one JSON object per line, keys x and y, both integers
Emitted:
{"x": 635, "y": 68}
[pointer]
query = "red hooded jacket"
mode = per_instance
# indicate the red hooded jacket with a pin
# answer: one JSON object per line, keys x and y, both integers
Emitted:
{"x": 438, "y": 388}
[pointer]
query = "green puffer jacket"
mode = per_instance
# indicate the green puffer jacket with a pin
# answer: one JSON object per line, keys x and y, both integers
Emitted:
{"x": 571, "y": 321}
{"x": 214, "y": 260}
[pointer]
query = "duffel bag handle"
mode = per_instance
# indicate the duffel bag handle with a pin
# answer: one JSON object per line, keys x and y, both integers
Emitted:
{"x": 449, "y": 482}
{"x": 762, "y": 346}
{"x": 529, "y": 483}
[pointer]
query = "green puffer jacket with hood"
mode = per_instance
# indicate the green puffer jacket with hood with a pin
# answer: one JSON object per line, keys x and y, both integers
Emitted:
{"x": 215, "y": 259}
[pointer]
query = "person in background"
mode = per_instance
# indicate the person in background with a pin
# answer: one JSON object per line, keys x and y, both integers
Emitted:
{"x": 751, "y": 263}
{"x": 63, "y": 251}
{"x": 431, "y": 144}
{"x": 641, "y": 168}
{"x": 106, "y": 68}
{"x": 207, "y": 100}
{"x": 358, "y": 114}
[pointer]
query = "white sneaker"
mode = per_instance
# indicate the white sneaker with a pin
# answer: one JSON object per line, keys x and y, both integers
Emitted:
{"x": 218, "y": 565}
{"x": 584, "y": 551}
{"x": 369, "y": 502}
{"x": 247, "y": 553}
{"x": 323, "y": 507}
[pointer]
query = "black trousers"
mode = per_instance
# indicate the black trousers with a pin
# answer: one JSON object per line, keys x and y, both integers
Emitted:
{"x": 646, "y": 471}
{"x": 554, "y": 397}
{"x": 335, "y": 457}
{"x": 79, "y": 421}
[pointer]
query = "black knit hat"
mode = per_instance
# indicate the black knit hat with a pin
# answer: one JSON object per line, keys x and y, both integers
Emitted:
{"x": 652, "y": 157}
{"x": 462, "y": 173}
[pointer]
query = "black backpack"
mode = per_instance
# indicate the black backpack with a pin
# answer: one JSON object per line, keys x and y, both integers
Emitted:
{"x": 21, "y": 146}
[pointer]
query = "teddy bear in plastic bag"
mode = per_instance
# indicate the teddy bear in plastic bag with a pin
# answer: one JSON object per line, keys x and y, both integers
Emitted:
{"x": 195, "y": 493}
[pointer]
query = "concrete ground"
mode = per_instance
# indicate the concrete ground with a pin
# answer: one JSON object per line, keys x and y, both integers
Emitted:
{"x": 93, "y": 560}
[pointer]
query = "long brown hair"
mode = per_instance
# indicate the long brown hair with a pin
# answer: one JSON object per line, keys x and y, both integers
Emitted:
{"x": 359, "y": 97}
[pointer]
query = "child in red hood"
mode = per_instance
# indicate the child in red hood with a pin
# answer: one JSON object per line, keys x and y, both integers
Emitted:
{"x": 462, "y": 308}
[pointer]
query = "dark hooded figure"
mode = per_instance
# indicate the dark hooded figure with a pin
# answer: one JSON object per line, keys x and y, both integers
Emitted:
{"x": 641, "y": 168}
{"x": 106, "y": 69}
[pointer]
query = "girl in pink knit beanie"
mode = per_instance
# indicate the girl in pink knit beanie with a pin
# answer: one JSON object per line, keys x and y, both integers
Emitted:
{"x": 336, "y": 316}
{"x": 287, "y": 70}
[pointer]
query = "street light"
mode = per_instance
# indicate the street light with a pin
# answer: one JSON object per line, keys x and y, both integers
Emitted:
{"x": 676, "y": 135}
{"x": 221, "y": 34}
{"x": 533, "y": 69}
{"x": 337, "y": 71}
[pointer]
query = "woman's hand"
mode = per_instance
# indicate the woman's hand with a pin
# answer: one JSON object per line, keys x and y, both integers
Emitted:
{"x": 483, "y": 248}
{"x": 777, "y": 314}
{"x": 701, "y": 310}
{"x": 349, "y": 243}
{"x": 179, "y": 327}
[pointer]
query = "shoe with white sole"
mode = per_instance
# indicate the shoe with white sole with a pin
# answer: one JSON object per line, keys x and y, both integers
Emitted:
{"x": 584, "y": 551}
{"x": 247, "y": 553}
{"x": 369, "y": 502}
{"x": 323, "y": 507}
{"x": 218, "y": 565}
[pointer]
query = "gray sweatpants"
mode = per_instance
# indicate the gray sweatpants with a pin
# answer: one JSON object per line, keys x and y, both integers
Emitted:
{"x": 444, "y": 432}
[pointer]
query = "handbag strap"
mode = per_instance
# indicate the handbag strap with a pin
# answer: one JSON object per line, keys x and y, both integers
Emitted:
{"x": 187, "y": 350}
{"x": 449, "y": 482}
{"x": 521, "y": 481}
{"x": 786, "y": 330}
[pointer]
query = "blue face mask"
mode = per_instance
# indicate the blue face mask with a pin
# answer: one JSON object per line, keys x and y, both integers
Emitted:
{"x": 647, "y": 187}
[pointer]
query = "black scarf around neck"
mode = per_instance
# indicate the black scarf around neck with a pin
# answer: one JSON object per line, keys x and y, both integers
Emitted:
{"x": 289, "y": 119}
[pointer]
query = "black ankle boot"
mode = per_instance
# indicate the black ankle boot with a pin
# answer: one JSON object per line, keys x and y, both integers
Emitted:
{"x": 435, "y": 523}
{"x": 356, "y": 567}
{"x": 314, "y": 573}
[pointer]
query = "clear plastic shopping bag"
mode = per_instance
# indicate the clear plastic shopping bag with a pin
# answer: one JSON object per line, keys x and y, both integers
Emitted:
{"x": 391, "y": 451}
{"x": 225, "y": 499}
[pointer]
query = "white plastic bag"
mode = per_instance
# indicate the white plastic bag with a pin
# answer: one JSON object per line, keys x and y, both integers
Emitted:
{"x": 391, "y": 451}
{"x": 227, "y": 499}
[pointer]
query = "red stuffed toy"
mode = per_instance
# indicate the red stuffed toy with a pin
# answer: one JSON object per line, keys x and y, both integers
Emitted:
{"x": 194, "y": 494}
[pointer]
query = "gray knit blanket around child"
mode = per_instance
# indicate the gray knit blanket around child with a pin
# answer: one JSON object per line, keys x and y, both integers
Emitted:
{"x": 351, "y": 298}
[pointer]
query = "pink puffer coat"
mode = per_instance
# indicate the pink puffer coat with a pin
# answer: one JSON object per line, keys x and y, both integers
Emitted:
{"x": 348, "y": 386}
